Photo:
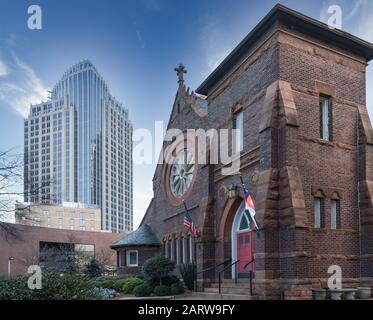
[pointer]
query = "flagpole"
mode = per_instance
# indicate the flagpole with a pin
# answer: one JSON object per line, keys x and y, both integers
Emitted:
{"x": 194, "y": 248}
{"x": 243, "y": 186}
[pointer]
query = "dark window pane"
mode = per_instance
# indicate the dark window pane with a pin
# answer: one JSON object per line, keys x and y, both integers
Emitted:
{"x": 243, "y": 224}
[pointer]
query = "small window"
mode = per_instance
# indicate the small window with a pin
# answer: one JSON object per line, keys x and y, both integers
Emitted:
{"x": 172, "y": 250}
{"x": 132, "y": 258}
{"x": 335, "y": 214}
{"x": 325, "y": 118}
{"x": 247, "y": 239}
{"x": 177, "y": 255}
{"x": 238, "y": 125}
{"x": 319, "y": 212}
{"x": 184, "y": 250}
{"x": 244, "y": 225}
{"x": 190, "y": 238}
{"x": 122, "y": 259}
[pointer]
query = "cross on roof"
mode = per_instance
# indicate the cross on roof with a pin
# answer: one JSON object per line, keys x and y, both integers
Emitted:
{"x": 180, "y": 71}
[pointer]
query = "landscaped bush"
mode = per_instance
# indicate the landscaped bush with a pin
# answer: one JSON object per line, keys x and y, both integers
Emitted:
{"x": 177, "y": 288}
{"x": 14, "y": 289}
{"x": 156, "y": 268}
{"x": 162, "y": 291}
{"x": 118, "y": 284}
{"x": 130, "y": 284}
{"x": 109, "y": 284}
{"x": 143, "y": 290}
{"x": 54, "y": 287}
{"x": 188, "y": 272}
{"x": 167, "y": 281}
{"x": 64, "y": 287}
{"x": 93, "y": 269}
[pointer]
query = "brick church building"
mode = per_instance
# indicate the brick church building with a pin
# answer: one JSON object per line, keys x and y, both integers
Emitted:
{"x": 297, "y": 89}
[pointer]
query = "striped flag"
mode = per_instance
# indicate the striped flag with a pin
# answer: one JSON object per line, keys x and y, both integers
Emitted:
{"x": 188, "y": 222}
{"x": 249, "y": 204}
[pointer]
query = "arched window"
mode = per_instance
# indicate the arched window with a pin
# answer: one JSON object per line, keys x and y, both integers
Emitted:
{"x": 244, "y": 223}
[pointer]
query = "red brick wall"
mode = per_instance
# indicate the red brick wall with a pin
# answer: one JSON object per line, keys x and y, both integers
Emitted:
{"x": 25, "y": 246}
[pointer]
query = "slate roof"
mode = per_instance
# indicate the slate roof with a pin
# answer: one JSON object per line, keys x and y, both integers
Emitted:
{"x": 143, "y": 236}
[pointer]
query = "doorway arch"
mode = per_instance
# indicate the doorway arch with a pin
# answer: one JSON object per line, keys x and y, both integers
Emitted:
{"x": 242, "y": 241}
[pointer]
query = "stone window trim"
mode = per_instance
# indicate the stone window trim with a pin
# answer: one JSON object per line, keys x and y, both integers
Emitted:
{"x": 177, "y": 235}
{"x": 183, "y": 143}
{"x": 236, "y": 109}
{"x": 327, "y": 192}
{"x": 325, "y": 89}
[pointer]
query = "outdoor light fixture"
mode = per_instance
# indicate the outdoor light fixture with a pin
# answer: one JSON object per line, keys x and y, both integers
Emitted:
{"x": 9, "y": 259}
{"x": 232, "y": 191}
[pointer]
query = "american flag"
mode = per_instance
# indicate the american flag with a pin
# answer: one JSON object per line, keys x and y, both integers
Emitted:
{"x": 188, "y": 222}
{"x": 249, "y": 204}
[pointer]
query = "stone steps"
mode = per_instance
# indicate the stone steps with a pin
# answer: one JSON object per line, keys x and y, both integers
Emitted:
{"x": 242, "y": 285}
{"x": 228, "y": 290}
{"x": 223, "y": 296}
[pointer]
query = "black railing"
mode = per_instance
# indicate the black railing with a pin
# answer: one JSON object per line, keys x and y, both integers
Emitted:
{"x": 250, "y": 275}
{"x": 208, "y": 269}
{"x": 235, "y": 273}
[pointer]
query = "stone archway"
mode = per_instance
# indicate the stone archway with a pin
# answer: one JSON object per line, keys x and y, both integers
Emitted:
{"x": 225, "y": 230}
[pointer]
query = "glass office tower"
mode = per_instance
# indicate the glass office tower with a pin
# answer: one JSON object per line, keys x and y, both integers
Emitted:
{"x": 102, "y": 155}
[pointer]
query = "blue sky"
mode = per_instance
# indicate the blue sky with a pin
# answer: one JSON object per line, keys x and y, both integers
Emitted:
{"x": 135, "y": 44}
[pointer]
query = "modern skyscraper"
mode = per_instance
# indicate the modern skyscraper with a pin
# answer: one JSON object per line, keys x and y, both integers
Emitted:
{"x": 78, "y": 148}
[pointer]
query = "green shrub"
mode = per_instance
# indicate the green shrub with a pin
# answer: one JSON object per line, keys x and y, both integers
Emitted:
{"x": 130, "y": 284}
{"x": 167, "y": 281}
{"x": 14, "y": 289}
{"x": 55, "y": 286}
{"x": 162, "y": 291}
{"x": 156, "y": 268}
{"x": 188, "y": 272}
{"x": 118, "y": 284}
{"x": 143, "y": 290}
{"x": 92, "y": 269}
{"x": 177, "y": 288}
{"x": 109, "y": 284}
{"x": 64, "y": 287}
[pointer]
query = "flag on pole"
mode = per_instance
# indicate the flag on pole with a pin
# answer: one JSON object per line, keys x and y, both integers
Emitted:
{"x": 188, "y": 222}
{"x": 249, "y": 204}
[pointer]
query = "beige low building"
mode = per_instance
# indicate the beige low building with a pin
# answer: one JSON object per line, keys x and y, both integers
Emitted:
{"x": 69, "y": 216}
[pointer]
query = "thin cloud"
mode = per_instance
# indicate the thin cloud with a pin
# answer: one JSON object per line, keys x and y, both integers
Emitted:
{"x": 3, "y": 69}
{"x": 21, "y": 87}
{"x": 212, "y": 45}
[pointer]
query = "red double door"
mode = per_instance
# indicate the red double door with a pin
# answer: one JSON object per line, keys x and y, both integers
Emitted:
{"x": 245, "y": 251}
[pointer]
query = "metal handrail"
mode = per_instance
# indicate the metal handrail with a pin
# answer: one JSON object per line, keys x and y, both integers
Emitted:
{"x": 251, "y": 275}
{"x": 214, "y": 267}
{"x": 235, "y": 274}
{"x": 247, "y": 264}
{"x": 208, "y": 269}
